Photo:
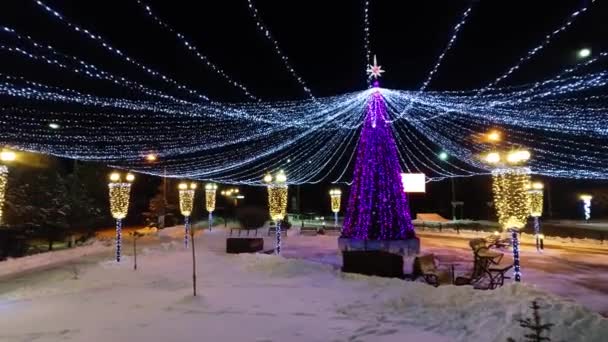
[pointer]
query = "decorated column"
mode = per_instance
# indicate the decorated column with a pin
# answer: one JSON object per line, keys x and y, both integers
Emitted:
{"x": 119, "y": 193}
{"x": 377, "y": 206}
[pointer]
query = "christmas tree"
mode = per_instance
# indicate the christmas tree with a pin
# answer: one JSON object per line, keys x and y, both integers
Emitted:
{"x": 377, "y": 205}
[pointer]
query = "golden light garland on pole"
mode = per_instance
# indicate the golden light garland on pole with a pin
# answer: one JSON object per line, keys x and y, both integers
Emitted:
{"x": 336, "y": 199}
{"x": 586, "y": 206}
{"x": 510, "y": 181}
{"x": 3, "y": 182}
{"x": 277, "y": 202}
{"x": 186, "y": 204}
{"x": 535, "y": 198}
{"x": 119, "y": 193}
{"x": 210, "y": 194}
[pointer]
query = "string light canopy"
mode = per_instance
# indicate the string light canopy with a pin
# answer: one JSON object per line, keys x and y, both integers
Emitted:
{"x": 311, "y": 139}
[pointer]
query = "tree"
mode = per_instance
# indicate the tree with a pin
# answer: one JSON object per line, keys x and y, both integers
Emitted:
{"x": 157, "y": 206}
{"x": 535, "y": 326}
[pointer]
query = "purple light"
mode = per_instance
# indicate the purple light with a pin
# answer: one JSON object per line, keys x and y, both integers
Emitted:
{"x": 377, "y": 206}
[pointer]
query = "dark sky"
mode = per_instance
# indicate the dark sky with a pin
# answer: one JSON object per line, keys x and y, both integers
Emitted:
{"x": 324, "y": 41}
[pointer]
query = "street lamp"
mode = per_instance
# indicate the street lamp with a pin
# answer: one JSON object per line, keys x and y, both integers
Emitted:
{"x": 510, "y": 180}
{"x": 584, "y": 53}
{"x": 210, "y": 190}
{"x": 535, "y": 198}
{"x": 120, "y": 193}
{"x": 444, "y": 156}
{"x": 336, "y": 196}
{"x": 7, "y": 156}
{"x": 277, "y": 202}
{"x": 186, "y": 203}
{"x": 586, "y": 206}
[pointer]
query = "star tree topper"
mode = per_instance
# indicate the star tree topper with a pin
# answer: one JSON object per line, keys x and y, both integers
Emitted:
{"x": 375, "y": 70}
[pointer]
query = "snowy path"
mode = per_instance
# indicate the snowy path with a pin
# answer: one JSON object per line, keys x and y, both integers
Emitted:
{"x": 263, "y": 298}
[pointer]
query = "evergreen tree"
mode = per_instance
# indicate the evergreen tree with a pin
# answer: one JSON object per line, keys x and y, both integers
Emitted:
{"x": 534, "y": 324}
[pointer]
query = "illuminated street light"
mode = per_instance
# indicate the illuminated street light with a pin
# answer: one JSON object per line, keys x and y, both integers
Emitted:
{"x": 151, "y": 157}
{"x": 8, "y": 156}
{"x": 119, "y": 193}
{"x": 443, "y": 155}
{"x": 493, "y": 136}
{"x": 54, "y": 125}
{"x": 336, "y": 196}
{"x": 584, "y": 53}
{"x": 277, "y": 202}
{"x": 210, "y": 191}
{"x": 186, "y": 204}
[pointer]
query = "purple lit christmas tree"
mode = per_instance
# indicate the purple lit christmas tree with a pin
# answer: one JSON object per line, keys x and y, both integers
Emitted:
{"x": 377, "y": 205}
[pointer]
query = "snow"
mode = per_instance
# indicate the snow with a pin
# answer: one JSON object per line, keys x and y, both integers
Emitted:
{"x": 258, "y": 297}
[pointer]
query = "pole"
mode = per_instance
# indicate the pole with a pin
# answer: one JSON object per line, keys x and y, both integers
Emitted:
{"x": 278, "y": 242}
{"x": 118, "y": 238}
{"x": 515, "y": 242}
{"x": 210, "y": 219}
{"x": 537, "y": 232}
{"x": 453, "y": 198}
{"x": 336, "y": 219}
{"x": 186, "y": 230}
{"x": 134, "y": 251}
{"x": 193, "y": 263}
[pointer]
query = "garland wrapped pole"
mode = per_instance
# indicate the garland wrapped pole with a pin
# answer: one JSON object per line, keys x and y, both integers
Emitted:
{"x": 510, "y": 181}
{"x": 119, "y": 193}
{"x": 186, "y": 204}
{"x": 336, "y": 198}
{"x": 535, "y": 193}
{"x": 210, "y": 194}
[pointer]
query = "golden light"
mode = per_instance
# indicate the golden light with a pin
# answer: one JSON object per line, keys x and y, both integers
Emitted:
{"x": 130, "y": 177}
{"x": 535, "y": 198}
{"x": 493, "y": 136}
{"x": 8, "y": 156}
{"x": 115, "y": 177}
{"x": 268, "y": 178}
{"x": 493, "y": 158}
{"x": 511, "y": 197}
{"x": 223, "y": 193}
{"x": 3, "y": 182}
{"x": 186, "y": 198}
{"x": 151, "y": 157}
{"x": 210, "y": 190}
{"x": 119, "y": 199}
{"x": 277, "y": 196}
{"x": 586, "y": 197}
{"x": 336, "y": 196}
{"x": 518, "y": 156}
{"x": 281, "y": 177}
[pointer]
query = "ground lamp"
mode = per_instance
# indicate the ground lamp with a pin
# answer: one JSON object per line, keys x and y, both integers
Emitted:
{"x": 535, "y": 198}
{"x": 120, "y": 191}
{"x": 186, "y": 203}
{"x": 277, "y": 202}
{"x": 210, "y": 190}
{"x": 586, "y": 206}
{"x": 336, "y": 196}
{"x": 510, "y": 180}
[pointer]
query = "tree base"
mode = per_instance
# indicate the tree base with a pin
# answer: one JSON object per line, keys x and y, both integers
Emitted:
{"x": 402, "y": 247}
{"x": 373, "y": 263}
{"x": 244, "y": 245}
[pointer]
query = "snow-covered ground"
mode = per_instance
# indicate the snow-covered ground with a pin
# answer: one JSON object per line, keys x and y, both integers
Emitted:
{"x": 299, "y": 297}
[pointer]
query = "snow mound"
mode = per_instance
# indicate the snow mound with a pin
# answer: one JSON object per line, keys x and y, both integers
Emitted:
{"x": 281, "y": 267}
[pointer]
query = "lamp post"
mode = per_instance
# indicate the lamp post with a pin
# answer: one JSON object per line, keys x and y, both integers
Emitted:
{"x": 119, "y": 193}
{"x": 277, "y": 202}
{"x": 535, "y": 197}
{"x": 510, "y": 180}
{"x": 210, "y": 190}
{"x": 336, "y": 196}
{"x": 586, "y": 206}
{"x": 186, "y": 203}
{"x": 444, "y": 156}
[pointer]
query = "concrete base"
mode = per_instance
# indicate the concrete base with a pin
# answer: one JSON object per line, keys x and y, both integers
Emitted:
{"x": 402, "y": 247}
{"x": 373, "y": 263}
{"x": 244, "y": 245}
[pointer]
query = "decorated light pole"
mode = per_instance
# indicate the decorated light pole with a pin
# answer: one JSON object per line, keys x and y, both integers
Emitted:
{"x": 535, "y": 197}
{"x": 186, "y": 203}
{"x": 586, "y": 206}
{"x": 336, "y": 197}
{"x": 277, "y": 202}
{"x": 5, "y": 156}
{"x": 210, "y": 190}
{"x": 120, "y": 193}
{"x": 510, "y": 180}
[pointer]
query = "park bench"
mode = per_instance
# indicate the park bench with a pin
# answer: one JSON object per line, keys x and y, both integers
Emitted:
{"x": 427, "y": 268}
{"x": 487, "y": 272}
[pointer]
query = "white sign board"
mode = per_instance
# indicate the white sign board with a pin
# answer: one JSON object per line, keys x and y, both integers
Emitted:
{"x": 413, "y": 182}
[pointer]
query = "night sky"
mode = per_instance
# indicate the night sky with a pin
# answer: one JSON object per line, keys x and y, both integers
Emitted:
{"x": 324, "y": 42}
